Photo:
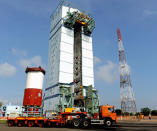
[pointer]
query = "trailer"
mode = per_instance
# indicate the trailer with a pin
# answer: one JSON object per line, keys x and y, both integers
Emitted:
{"x": 106, "y": 117}
{"x": 27, "y": 121}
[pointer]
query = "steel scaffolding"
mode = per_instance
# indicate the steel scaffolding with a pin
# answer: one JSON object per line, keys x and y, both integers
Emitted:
{"x": 127, "y": 95}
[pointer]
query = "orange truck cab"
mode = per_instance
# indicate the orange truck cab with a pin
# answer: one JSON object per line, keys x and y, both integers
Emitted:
{"x": 107, "y": 113}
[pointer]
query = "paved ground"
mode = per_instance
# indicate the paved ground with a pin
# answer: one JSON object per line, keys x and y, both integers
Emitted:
{"x": 137, "y": 125}
{"x": 122, "y": 126}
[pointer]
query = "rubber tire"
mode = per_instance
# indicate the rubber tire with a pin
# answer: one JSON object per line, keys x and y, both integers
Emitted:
{"x": 108, "y": 123}
{"x": 76, "y": 123}
{"x": 85, "y": 123}
{"x": 49, "y": 124}
{"x": 30, "y": 123}
{"x": 10, "y": 123}
{"x": 20, "y": 124}
{"x": 41, "y": 124}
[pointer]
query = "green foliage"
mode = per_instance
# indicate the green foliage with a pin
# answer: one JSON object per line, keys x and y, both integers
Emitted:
{"x": 3, "y": 121}
{"x": 126, "y": 113}
{"x": 131, "y": 114}
{"x": 137, "y": 113}
{"x": 154, "y": 112}
{"x": 145, "y": 111}
{"x": 1, "y": 103}
{"x": 118, "y": 111}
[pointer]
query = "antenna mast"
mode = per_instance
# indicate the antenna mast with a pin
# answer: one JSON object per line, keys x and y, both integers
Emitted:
{"x": 127, "y": 95}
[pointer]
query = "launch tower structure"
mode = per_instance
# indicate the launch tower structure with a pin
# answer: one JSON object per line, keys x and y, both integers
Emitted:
{"x": 127, "y": 96}
{"x": 70, "y": 77}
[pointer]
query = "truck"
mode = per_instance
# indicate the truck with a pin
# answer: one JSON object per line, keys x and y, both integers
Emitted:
{"x": 71, "y": 117}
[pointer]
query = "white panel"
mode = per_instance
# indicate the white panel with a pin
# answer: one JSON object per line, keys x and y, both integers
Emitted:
{"x": 86, "y": 38}
{"x": 86, "y": 45}
{"x": 88, "y": 81}
{"x": 74, "y": 9}
{"x": 67, "y": 31}
{"x": 87, "y": 71}
{"x": 66, "y": 56}
{"x": 56, "y": 28}
{"x": 52, "y": 91}
{"x": 84, "y": 92}
{"x": 87, "y": 62}
{"x": 66, "y": 67}
{"x": 87, "y": 53}
{"x": 55, "y": 90}
{"x": 67, "y": 47}
{"x": 65, "y": 77}
{"x": 51, "y": 104}
{"x": 34, "y": 80}
{"x": 53, "y": 59}
{"x": 46, "y": 94}
{"x": 55, "y": 18}
{"x": 64, "y": 11}
{"x": 66, "y": 38}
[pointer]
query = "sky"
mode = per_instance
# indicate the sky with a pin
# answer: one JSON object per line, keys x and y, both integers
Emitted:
{"x": 24, "y": 40}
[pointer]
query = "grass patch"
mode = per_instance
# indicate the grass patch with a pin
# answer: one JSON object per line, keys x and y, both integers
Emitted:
{"x": 3, "y": 121}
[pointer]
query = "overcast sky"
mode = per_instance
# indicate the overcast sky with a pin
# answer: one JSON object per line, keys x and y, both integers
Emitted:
{"x": 24, "y": 39}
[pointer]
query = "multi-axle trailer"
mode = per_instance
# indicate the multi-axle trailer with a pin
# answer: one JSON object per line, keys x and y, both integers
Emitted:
{"x": 106, "y": 117}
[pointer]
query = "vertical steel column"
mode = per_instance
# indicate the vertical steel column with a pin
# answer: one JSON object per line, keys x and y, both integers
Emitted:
{"x": 78, "y": 89}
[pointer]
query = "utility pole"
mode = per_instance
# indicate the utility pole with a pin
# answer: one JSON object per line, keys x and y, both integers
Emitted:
{"x": 127, "y": 95}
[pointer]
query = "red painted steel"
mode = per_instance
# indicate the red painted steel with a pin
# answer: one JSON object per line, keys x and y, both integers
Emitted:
{"x": 119, "y": 34}
{"x": 35, "y": 69}
{"x": 32, "y": 97}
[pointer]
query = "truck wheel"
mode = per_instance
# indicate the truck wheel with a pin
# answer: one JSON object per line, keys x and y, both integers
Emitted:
{"x": 86, "y": 123}
{"x": 49, "y": 124}
{"x": 20, "y": 124}
{"x": 30, "y": 123}
{"x": 41, "y": 124}
{"x": 76, "y": 123}
{"x": 10, "y": 123}
{"x": 108, "y": 122}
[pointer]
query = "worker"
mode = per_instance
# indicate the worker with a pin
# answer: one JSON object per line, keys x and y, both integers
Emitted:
{"x": 150, "y": 117}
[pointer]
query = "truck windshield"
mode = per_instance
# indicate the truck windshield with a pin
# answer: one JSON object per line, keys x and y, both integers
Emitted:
{"x": 111, "y": 110}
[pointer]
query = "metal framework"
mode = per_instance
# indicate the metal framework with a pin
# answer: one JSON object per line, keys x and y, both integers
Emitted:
{"x": 84, "y": 20}
{"x": 127, "y": 96}
{"x": 66, "y": 98}
{"x": 31, "y": 111}
{"x": 91, "y": 101}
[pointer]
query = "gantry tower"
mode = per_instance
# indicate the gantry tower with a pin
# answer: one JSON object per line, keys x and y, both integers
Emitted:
{"x": 127, "y": 96}
{"x": 70, "y": 75}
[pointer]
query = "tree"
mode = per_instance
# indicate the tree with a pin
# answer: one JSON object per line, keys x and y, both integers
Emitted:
{"x": 137, "y": 113}
{"x": 1, "y": 103}
{"x": 126, "y": 113}
{"x": 118, "y": 111}
{"x": 145, "y": 111}
{"x": 154, "y": 112}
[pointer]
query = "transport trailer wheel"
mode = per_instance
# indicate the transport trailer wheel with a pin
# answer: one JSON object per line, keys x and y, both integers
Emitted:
{"x": 10, "y": 123}
{"x": 30, "y": 123}
{"x": 20, "y": 124}
{"x": 86, "y": 123}
{"x": 41, "y": 124}
{"x": 76, "y": 123}
{"x": 108, "y": 122}
{"x": 49, "y": 124}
